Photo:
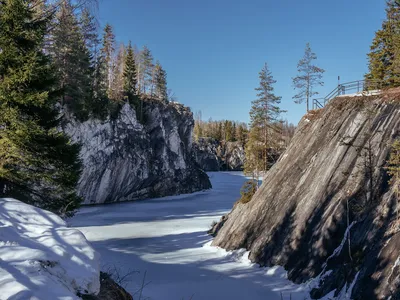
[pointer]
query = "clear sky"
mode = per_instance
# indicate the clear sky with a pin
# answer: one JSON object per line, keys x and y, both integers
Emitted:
{"x": 213, "y": 49}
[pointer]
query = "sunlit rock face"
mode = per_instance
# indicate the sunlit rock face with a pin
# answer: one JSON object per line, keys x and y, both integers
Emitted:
{"x": 212, "y": 155}
{"x": 124, "y": 160}
{"x": 325, "y": 209}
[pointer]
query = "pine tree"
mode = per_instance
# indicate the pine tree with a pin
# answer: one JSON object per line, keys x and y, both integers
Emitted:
{"x": 308, "y": 78}
{"x": 72, "y": 60}
{"x": 103, "y": 75}
{"x": 89, "y": 32}
{"x": 384, "y": 58}
{"x": 160, "y": 83}
{"x": 264, "y": 116}
{"x": 37, "y": 163}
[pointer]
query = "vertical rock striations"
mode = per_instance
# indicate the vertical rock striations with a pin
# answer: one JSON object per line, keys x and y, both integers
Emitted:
{"x": 212, "y": 155}
{"x": 125, "y": 160}
{"x": 329, "y": 188}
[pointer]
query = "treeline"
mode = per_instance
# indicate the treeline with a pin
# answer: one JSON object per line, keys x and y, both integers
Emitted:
{"x": 221, "y": 131}
{"x": 233, "y": 131}
{"x": 97, "y": 74}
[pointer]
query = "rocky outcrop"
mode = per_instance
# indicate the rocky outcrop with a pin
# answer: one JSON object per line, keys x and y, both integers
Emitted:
{"x": 212, "y": 155}
{"x": 125, "y": 160}
{"x": 109, "y": 290}
{"x": 325, "y": 209}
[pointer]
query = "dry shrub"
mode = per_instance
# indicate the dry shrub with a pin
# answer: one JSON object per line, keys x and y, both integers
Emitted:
{"x": 248, "y": 190}
{"x": 315, "y": 114}
{"x": 391, "y": 96}
{"x": 342, "y": 103}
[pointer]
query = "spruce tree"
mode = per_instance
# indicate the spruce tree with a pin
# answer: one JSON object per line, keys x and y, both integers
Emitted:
{"x": 384, "y": 58}
{"x": 308, "y": 78}
{"x": 37, "y": 163}
{"x": 160, "y": 83}
{"x": 130, "y": 81}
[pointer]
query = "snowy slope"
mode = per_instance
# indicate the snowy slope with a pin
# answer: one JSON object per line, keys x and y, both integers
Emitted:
{"x": 167, "y": 239}
{"x": 40, "y": 258}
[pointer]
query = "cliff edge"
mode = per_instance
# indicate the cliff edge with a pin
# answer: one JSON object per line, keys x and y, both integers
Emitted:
{"x": 125, "y": 160}
{"x": 325, "y": 210}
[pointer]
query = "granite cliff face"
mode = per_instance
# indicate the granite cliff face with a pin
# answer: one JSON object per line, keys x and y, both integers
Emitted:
{"x": 125, "y": 160}
{"x": 212, "y": 155}
{"x": 325, "y": 210}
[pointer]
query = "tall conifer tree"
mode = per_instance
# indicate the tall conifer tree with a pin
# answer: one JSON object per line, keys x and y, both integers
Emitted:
{"x": 384, "y": 58}
{"x": 72, "y": 60}
{"x": 37, "y": 163}
{"x": 130, "y": 78}
{"x": 264, "y": 116}
{"x": 308, "y": 78}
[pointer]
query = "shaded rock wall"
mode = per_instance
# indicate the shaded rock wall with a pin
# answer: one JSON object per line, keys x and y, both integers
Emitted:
{"x": 327, "y": 190}
{"x": 125, "y": 160}
{"x": 212, "y": 155}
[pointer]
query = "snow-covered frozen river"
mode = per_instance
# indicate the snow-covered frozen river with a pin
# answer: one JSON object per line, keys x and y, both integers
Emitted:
{"x": 167, "y": 239}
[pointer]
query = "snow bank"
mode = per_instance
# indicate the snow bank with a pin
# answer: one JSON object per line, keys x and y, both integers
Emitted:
{"x": 40, "y": 258}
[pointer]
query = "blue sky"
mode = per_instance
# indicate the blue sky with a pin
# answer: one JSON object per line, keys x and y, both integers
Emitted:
{"x": 213, "y": 49}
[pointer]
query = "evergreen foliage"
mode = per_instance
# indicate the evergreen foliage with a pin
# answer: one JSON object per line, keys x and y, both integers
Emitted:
{"x": 248, "y": 190}
{"x": 90, "y": 35}
{"x": 308, "y": 78}
{"x": 37, "y": 163}
{"x": 95, "y": 79}
{"x": 72, "y": 61}
{"x": 265, "y": 127}
{"x": 130, "y": 78}
{"x": 384, "y": 58}
{"x": 221, "y": 131}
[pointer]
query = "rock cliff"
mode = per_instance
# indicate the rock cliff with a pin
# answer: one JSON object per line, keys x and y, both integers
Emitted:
{"x": 212, "y": 155}
{"x": 125, "y": 160}
{"x": 325, "y": 209}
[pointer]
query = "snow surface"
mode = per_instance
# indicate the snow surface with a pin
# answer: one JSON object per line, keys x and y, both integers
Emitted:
{"x": 363, "y": 93}
{"x": 40, "y": 258}
{"x": 167, "y": 239}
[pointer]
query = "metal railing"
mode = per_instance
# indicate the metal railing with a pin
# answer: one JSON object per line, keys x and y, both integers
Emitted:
{"x": 345, "y": 89}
